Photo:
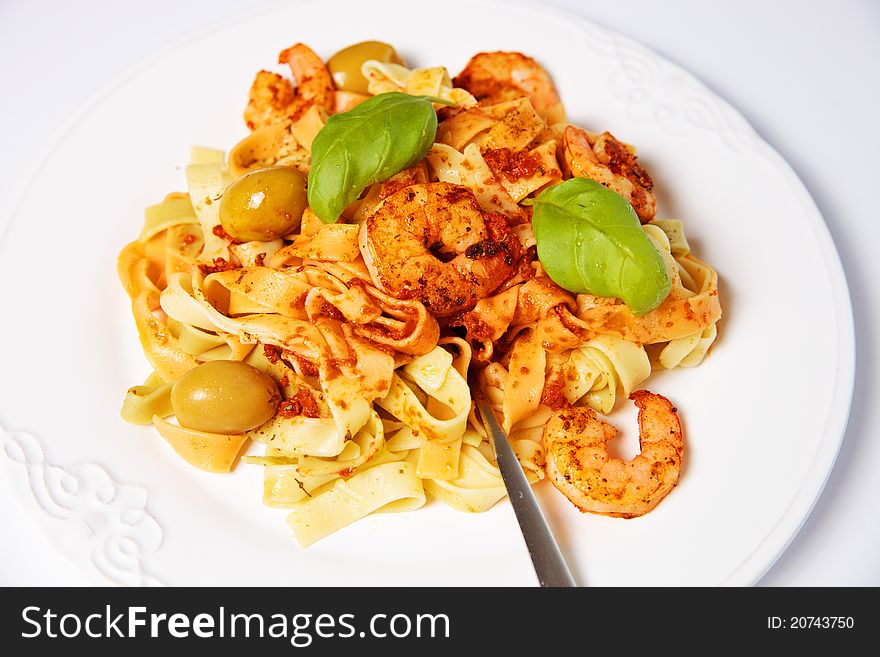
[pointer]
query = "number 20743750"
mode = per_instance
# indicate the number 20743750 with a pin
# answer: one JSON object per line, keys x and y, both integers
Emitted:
{"x": 810, "y": 622}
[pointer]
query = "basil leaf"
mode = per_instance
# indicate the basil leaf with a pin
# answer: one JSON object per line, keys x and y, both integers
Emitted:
{"x": 590, "y": 241}
{"x": 368, "y": 144}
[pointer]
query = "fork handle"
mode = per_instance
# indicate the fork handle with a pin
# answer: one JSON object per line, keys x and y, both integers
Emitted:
{"x": 547, "y": 559}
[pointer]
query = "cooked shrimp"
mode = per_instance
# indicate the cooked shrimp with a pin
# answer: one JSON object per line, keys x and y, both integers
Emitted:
{"x": 346, "y": 100}
{"x": 579, "y": 465}
{"x": 608, "y": 161}
{"x": 314, "y": 86}
{"x": 495, "y": 77}
{"x": 432, "y": 242}
{"x": 270, "y": 99}
{"x": 273, "y": 98}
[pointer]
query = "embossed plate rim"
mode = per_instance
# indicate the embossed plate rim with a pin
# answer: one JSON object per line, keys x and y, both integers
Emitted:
{"x": 755, "y": 564}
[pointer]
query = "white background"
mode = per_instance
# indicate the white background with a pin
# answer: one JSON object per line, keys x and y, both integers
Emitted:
{"x": 805, "y": 74}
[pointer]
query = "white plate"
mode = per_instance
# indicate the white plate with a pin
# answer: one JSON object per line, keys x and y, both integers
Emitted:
{"x": 764, "y": 414}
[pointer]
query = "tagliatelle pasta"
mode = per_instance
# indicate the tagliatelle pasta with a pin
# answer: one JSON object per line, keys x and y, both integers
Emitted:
{"x": 357, "y": 352}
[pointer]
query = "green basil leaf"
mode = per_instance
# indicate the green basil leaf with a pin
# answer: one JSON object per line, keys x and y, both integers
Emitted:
{"x": 590, "y": 241}
{"x": 368, "y": 144}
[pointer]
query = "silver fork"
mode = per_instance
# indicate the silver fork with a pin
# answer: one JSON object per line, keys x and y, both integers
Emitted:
{"x": 549, "y": 564}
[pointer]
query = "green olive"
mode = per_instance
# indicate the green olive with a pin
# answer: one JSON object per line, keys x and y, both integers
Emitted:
{"x": 345, "y": 66}
{"x": 264, "y": 205}
{"x": 224, "y": 396}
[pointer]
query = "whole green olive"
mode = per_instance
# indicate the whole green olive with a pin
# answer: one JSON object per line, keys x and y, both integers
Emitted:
{"x": 264, "y": 205}
{"x": 224, "y": 396}
{"x": 345, "y": 66}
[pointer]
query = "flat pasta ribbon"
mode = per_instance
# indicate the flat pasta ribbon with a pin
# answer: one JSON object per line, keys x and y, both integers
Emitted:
{"x": 441, "y": 421}
{"x": 393, "y": 485}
